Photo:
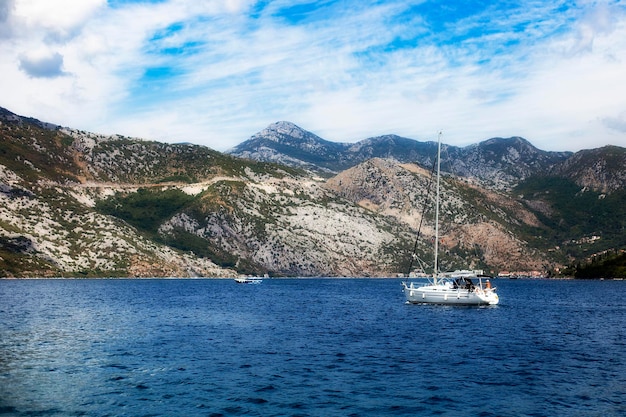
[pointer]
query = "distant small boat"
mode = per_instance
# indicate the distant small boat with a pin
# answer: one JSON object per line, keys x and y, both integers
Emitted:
{"x": 248, "y": 280}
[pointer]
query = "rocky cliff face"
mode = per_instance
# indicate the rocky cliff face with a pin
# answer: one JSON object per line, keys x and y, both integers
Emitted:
{"x": 291, "y": 226}
{"x": 475, "y": 223}
{"x": 602, "y": 169}
{"x": 50, "y": 229}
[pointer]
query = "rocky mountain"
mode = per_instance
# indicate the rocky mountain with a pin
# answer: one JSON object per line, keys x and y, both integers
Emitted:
{"x": 77, "y": 204}
{"x": 497, "y": 163}
{"x": 478, "y": 226}
{"x": 501, "y": 163}
{"x": 286, "y": 143}
{"x": 602, "y": 169}
{"x": 74, "y": 203}
{"x": 50, "y": 183}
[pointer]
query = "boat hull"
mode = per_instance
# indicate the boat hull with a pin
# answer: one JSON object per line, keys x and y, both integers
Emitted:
{"x": 442, "y": 294}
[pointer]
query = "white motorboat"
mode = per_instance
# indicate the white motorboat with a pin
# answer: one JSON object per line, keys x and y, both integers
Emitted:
{"x": 248, "y": 280}
{"x": 450, "y": 288}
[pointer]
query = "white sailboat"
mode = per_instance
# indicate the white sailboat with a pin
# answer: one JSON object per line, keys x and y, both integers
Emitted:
{"x": 453, "y": 288}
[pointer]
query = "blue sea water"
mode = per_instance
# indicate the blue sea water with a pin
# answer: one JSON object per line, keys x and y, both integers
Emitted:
{"x": 312, "y": 347}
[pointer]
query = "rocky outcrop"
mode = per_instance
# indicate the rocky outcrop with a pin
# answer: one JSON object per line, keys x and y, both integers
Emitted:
{"x": 290, "y": 226}
{"x": 602, "y": 169}
{"x": 474, "y": 222}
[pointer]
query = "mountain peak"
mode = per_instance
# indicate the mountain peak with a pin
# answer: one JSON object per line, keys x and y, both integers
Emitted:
{"x": 286, "y": 143}
{"x": 281, "y": 130}
{"x": 284, "y": 135}
{"x": 514, "y": 141}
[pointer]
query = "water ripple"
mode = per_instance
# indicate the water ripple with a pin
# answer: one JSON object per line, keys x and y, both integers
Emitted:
{"x": 309, "y": 348}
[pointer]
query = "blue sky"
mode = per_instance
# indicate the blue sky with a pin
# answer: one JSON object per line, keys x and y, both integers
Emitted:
{"x": 216, "y": 72}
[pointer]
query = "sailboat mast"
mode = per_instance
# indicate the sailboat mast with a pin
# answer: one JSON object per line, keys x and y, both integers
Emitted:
{"x": 436, "y": 271}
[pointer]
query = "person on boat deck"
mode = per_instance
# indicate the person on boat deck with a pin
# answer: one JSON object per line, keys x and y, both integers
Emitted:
{"x": 464, "y": 283}
{"x": 488, "y": 284}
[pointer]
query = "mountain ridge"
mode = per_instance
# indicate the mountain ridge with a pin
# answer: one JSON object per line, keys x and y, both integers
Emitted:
{"x": 74, "y": 203}
{"x": 497, "y": 162}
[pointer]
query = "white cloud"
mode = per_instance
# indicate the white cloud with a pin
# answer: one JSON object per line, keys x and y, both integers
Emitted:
{"x": 351, "y": 71}
{"x": 57, "y": 20}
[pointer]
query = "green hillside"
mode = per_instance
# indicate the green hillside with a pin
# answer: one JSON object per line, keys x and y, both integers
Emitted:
{"x": 579, "y": 221}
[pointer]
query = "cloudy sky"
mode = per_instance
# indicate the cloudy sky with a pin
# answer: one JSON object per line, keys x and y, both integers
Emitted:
{"x": 214, "y": 72}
